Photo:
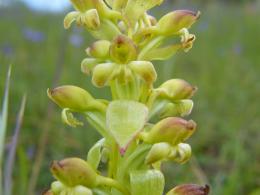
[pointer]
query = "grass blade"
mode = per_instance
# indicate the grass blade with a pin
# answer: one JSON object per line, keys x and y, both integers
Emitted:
{"x": 3, "y": 123}
{"x": 11, "y": 156}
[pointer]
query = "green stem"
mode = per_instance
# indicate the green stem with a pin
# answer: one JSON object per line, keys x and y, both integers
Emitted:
{"x": 97, "y": 120}
{"x": 113, "y": 161}
{"x": 135, "y": 156}
{"x": 151, "y": 45}
{"x": 113, "y": 183}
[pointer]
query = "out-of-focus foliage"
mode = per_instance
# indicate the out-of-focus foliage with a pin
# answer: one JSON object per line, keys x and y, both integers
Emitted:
{"x": 223, "y": 64}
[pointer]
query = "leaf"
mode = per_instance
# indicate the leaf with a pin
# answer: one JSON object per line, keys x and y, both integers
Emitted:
{"x": 125, "y": 118}
{"x": 94, "y": 154}
{"x": 147, "y": 182}
{"x": 12, "y": 151}
{"x": 3, "y": 122}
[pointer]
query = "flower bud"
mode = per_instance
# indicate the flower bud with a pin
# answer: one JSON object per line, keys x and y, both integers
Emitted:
{"x": 57, "y": 187}
{"x": 178, "y": 108}
{"x": 123, "y": 50}
{"x": 180, "y": 153}
{"x": 144, "y": 69}
{"x": 176, "y": 89}
{"x": 82, "y": 5}
{"x": 158, "y": 152}
{"x": 173, "y": 22}
{"x": 73, "y": 172}
{"x": 72, "y": 97}
{"x": 102, "y": 73}
{"x": 89, "y": 19}
{"x": 88, "y": 64}
{"x": 189, "y": 189}
{"x": 172, "y": 130}
{"x": 99, "y": 49}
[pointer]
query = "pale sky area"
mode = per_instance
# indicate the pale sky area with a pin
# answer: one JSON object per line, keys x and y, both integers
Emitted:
{"x": 48, "y": 5}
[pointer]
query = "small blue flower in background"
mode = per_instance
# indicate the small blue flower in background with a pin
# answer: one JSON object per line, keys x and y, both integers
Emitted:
{"x": 33, "y": 35}
{"x": 76, "y": 40}
{"x": 7, "y": 49}
{"x": 237, "y": 48}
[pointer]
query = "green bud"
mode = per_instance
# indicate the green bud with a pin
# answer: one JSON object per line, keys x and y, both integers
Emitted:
{"x": 123, "y": 50}
{"x": 172, "y": 130}
{"x": 180, "y": 153}
{"x": 82, "y": 5}
{"x": 57, "y": 187}
{"x": 99, "y": 49}
{"x": 175, "y": 89}
{"x": 89, "y": 19}
{"x": 173, "y": 22}
{"x": 158, "y": 152}
{"x": 73, "y": 172}
{"x": 88, "y": 64}
{"x": 189, "y": 189}
{"x": 177, "y": 108}
{"x": 72, "y": 97}
{"x": 102, "y": 73}
{"x": 81, "y": 190}
{"x": 145, "y": 70}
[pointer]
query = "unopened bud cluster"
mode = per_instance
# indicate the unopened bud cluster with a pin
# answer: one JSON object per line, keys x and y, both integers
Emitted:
{"x": 142, "y": 125}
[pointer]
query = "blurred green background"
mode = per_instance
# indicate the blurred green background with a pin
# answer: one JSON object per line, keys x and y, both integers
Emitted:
{"x": 224, "y": 63}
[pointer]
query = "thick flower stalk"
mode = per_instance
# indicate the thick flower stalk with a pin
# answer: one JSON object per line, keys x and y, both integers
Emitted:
{"x": 142, "y": 126}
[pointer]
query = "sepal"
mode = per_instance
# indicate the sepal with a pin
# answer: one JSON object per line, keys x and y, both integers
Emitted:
{"x": 99, "y": 49}
{"x": 71, "y": 97}
{"x": 173, "y": 22}
{"x": 158, "y": 152}
{"x": 145, "y": 70}
{"x": 172, "y": 130}
{"x": 88, "y": 64}
{"x": 175, "y": 89}
{"x": 74, "y": 171}
{"x": 102, "y": 73}
{"x": 180, "y": 153}
{"x": 177, "y": 108}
